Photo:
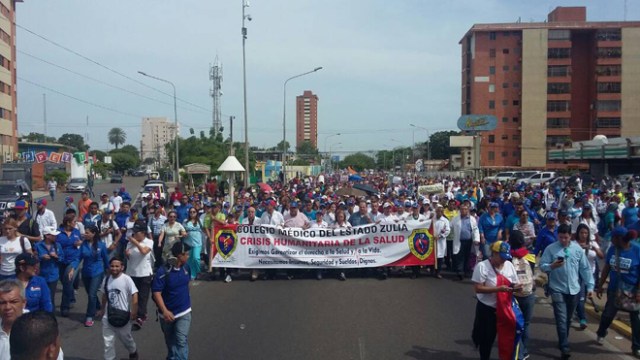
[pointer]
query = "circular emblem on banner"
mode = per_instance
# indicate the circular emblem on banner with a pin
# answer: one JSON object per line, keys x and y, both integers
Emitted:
{"x": 421, "y": 243}
{"x": 226, "y": 242}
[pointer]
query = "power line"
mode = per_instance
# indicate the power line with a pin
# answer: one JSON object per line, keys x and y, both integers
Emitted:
{"x": 105, "y": 83}
{"x": 104, "y": 66}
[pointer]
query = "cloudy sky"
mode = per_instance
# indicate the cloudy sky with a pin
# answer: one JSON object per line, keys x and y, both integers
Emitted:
{"x": 387, "y": 64}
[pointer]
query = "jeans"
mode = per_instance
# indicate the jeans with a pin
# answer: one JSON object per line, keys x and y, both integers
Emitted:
{"x": 609, "y": 313}
{"x": 486, "y": 250}
{"x": 448, "y": 259}
{"x": 7, "y": 277}
{"x": 175, "y": 337}
{"x": 52, "y": 290}
{"x": 144, "y": 288}
{"x": 582, "y": 297}
{"x": 91, "y": 285}
{"x": 67, "y": 286}
{"x": 564, "y": 305}
{"x": 194, "y": 261}
{"x": 526, "y": 305}
{"x": 157, "y": 252}
{"x": 52, "y": 193}
{"x": 462, "y": 257}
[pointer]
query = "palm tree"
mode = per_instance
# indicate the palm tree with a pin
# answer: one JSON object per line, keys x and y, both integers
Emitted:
{"x": 117, "y": 136}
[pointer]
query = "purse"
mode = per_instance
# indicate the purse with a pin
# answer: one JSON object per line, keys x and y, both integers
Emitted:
{"x": 625, "y": 299}
{"x": 116, "y": 317}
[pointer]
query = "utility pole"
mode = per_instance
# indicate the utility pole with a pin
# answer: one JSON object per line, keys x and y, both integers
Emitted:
{"x": 245, "y": 4}
{"x": 231, "y": 149}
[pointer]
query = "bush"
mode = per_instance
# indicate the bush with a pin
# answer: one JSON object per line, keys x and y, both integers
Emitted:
{"x": 58, "y": 175}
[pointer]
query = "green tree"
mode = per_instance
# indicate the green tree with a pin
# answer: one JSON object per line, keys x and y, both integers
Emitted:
{"x": 73, "y": 140}
{"x": 99, "y": 154}
{"x": 117, "y": 136}
{"x": 358, "y": 161}
{"x": 123, "y": 162}
{"x": 38, "y": 137}
{"x": 439, "y": 145}
{"x": 127, "y": 149}
{"x": 149, "y": 161}
{"x": 279, "y": 147}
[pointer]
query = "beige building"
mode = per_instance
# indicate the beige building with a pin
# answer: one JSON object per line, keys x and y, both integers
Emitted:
{"x": 156, "y": 133}
{"x": 8, "y": 102}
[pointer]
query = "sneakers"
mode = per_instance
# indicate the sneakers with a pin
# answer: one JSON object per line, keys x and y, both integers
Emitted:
{"x": 227, "y": 279}
{"x": 583, "y": 324}
{"x": 342, "y": 276}
{"x": 134, "y": 356}
{"x": 600, "y": 340}
{"x": 88, "y": 322}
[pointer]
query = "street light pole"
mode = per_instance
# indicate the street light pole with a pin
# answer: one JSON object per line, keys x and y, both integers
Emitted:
{"x": 284, "y": 120}
{"x": 245, "y": 4}
{"x": 331, "y": 151}
{"x": 325, "y": 144}
{"x": 175, "y": 119}
{"x": 428, "y": 139}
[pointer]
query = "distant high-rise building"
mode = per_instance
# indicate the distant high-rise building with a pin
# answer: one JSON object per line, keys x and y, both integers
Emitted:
{"x": 156, "y": 133}
{"x": 307, "y": 119}
{"x": 8, "y": 102}
{"x": 551, "y": 83}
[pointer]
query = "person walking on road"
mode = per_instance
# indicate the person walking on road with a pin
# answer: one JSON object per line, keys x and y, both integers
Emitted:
{"x": 139, "y": 251}
{"x": 95, "y": 261}
{"x": 622, "y": 266}
{"x": 52, "y": 185}
{"x": 119, "y": 293}
{"x": 566, "y": 264}
{"x": 70, "y": 239}
{"x": 44, "y": 217}
{"x": 35, "y": 287}
{"x": 50, "y": 255}
{"x": 171, "y": 294}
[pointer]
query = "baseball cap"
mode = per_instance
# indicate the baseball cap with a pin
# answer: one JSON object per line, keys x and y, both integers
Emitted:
{"x": 20, "y": 204}
{"x": 426, "y": 201}
{"x": 108, "y": 211}
{"x": 619, "y": 231}
{"x": 554, "y": 206}
{"x": 42, "y": 202}
{"x": 563, "y": 213}
{"x": 50, "y": 230}
{"x": 502, "y": 248}
{"x": 407, "y": 203}
{"x": 104, "y": 194}
{"x": 415, "y": 205}
{"x": 386, "y": 205}
{"x": 494, "y": 204}
{"x": 294, "y": 204}
{"x": 26, "y": 259}
{"x": 515, "y": 195}
{"x": 116, "y": 190}
{"x": 68, "y": 199}
{"x": 550, "y": 216}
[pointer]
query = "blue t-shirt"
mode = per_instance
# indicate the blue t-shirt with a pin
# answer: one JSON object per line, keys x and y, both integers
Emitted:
{"x": 38, "y": 295}
{"x": 174, "y": 288}
{"x": 183, "y": 212}
{"x": 490, "y": 226}
{"x": 629, "y": 265}
{"x": 630, "y": 216}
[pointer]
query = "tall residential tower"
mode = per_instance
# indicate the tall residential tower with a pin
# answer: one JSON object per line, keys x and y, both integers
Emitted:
{"x": 307, "y": 118}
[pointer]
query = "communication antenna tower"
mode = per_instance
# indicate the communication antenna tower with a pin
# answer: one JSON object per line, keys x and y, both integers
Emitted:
{"x": 215, "y": 75}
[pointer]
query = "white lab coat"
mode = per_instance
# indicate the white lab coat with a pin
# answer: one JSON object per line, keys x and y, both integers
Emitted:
{"x": 441, "y": 230}
{"x": 455, "y": 227}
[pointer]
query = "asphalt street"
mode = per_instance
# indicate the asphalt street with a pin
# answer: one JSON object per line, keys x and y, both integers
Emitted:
{"x": 360, "y": 319}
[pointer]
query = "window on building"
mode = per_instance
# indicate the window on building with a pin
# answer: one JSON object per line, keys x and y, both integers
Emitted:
{"x": 492, "y": 35}
{"x": 505, "y": 68}
{"x": 608, "y": 122}
{"x": 517, "y": 51}
{"x": 516, "y": 102}
{"x": 609, "y": 87}
{"x": 492, "y": 88}
{"x": 505, "y": 154}
{"x": 557, "y": 70}
{"x": 516, "y": 67}
{"x": 556, "y": 140}
{"x": 492, "y": 104}
{"x": 492, "y": 70}
{"x": 505, "y": 102}
{"x": 506, "y": 33}
{"x": 492, "y": 53}
{"x": 516, "y": 119}
{"x": 505, "y": 85}
{"x": 505, "y": 51}
{"x": 492, "y": 139}
{"x": 559, "y": 35}
{"x": 505, "y": 119}
{"x": 492, "y": 155}
{"x": 504, "y": 137}
{"x": 515, "y": 137}
{"x": 558, "y": 88}
{"x": 559, "y": 53}
{"x": 609, "y": 53}
{"x": 557, "y": 123}
{"x": 609, "y": 35}
{"x": 558, "y": 106}
{"x": 516, "y": 84}
{"x": 608, "y": 105}
{"x": 609, "y": 70}
{"x": 516, "y": 154}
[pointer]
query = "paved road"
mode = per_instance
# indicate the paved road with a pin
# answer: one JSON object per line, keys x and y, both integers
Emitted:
{"x": 358, "y": 319}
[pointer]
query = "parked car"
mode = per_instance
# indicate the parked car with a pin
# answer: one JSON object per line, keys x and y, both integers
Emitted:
{"x": 505, "y": 176}
{"x": 539, "y": 178}
{"x": 116, "y": 178}
{"x": 12, "y": 191}
{"x": 525, "y": 174}
{"x": 77, "y": 185}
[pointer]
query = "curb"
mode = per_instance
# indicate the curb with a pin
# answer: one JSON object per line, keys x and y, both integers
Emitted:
{"x": 617, "y": 325}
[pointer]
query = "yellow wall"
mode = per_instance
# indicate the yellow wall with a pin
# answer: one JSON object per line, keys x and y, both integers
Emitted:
{"x": 534, "y": 98}
{"x": 630, "y": 82}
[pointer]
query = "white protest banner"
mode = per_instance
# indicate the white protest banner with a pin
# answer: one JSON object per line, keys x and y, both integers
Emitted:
{"x": 265, "y": 246}
{"x": 425, "y": 190}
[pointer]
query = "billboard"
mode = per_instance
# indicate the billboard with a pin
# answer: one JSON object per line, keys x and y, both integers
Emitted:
{"x": 477, "y": 122}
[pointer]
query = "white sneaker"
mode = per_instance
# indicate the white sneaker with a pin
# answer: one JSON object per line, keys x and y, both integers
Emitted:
{"x": 227, "y": 279}
{"x": 600, "y": 340}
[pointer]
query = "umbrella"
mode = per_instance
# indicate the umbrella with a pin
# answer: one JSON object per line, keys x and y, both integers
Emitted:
{"x": 355, "y": 177}
{"x": 264, "y": 187}
{"x": 366, "y": 188}
{"x": 350, "y": 192}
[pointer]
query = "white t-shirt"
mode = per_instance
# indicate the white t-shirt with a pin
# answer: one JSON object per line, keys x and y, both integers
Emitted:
{"x": 484, "y": 274}
{"x": 117, "y": 201}
{"x": 108, "y": 239}
{"x": 140, "y": 265}
{"x": 9, "y": 249}
{"x": 592, "y": 255}
{"x": 120, "y": 291}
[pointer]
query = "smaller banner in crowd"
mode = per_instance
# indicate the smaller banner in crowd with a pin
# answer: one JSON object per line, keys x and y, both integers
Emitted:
{"x": 266, "y": 246}
{"x": 43, "y": 156}
{"x": 425, "y": 190}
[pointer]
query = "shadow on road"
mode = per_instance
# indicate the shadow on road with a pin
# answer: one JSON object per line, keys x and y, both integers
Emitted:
{"x": 424, "y": 353}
